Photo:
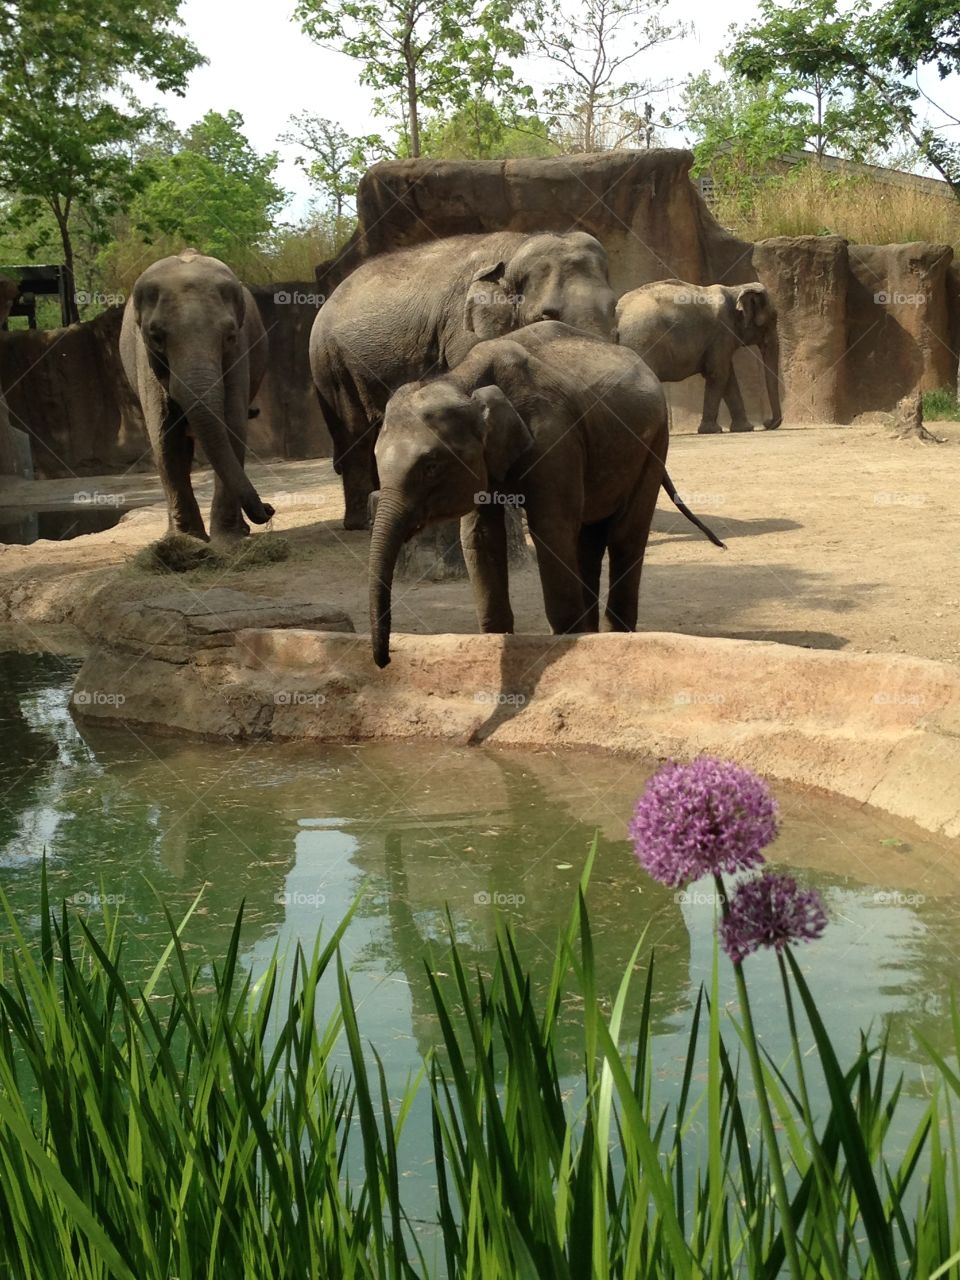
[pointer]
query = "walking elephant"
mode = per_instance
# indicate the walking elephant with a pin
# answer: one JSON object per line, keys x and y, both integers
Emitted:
{"x": 682, "y": 329}
{"x": 572, "y": 428}
{"x": 417, "y": 311}
{"x": 194, "y": 351}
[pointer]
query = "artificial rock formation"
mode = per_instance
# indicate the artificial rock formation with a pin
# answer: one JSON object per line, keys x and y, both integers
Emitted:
{"x": 843, "y": 352}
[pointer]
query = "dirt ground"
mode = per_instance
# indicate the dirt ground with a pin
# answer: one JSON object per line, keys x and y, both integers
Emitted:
{"x": 838, "y": 537}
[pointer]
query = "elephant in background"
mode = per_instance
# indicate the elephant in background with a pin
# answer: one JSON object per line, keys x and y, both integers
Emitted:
{"x": 569, "y": 426}
{"x": 681, "y": 329}
{"x": 418, "y": 311}
{"x": 194, "y": 351}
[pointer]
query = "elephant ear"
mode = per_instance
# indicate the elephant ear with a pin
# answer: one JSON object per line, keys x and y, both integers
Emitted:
{"x": 505, "y": 434}
{"x": 754, "y": 306}
{"x": 488, "y": 310}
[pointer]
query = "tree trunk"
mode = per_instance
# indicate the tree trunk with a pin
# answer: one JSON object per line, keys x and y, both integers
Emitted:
{"x": 412, "y": 111}
{"x": 70, "y": 284}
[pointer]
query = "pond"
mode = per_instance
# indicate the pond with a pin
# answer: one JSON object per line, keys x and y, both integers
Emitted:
{"x": 23, "y": 526}
{"x": 418, "y": 829}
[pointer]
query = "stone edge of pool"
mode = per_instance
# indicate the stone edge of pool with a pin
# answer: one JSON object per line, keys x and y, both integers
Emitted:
{"x": 881, "y": 729}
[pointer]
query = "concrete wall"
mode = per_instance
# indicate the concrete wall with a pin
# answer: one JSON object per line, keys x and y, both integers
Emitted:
{"x": 861, "y": 326}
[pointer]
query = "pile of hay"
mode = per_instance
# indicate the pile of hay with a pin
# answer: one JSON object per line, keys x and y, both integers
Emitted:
{"x": 180, "y": 553}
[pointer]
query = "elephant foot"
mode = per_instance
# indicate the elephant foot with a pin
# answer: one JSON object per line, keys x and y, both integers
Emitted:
{"x": 741, "y": 426}
{"x": 708, "y": 429}
{"x": 356, "y": 520}
{"x": 190, "y": 530}
{"x": 231, "y": 533}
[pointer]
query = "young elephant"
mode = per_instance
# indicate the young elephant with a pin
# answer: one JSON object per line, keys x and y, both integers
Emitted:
{"x": 571, "y": 427}
{"x": 682, "y": 329}
{"x": 417, "y": 311}
{"x": 194, "y": 351}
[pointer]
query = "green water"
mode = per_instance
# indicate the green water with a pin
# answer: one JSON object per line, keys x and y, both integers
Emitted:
{"x": 415, "y": 829}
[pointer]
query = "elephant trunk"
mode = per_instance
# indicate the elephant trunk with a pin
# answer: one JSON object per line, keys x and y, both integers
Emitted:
{"x": 390, "y": 528}
{"x": 198, "y": 390}
{"x": 771, "y": 373}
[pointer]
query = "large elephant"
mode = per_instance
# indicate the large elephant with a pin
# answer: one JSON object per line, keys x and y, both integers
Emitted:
{"x": 572, "y": 428}
{"x": 194, "y": 350}
{"x": 681, "y": 329}
{"x": 417, "y": 311}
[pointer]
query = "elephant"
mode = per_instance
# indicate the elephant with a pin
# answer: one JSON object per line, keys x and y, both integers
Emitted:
{"x": 194, "y": 350}
{"x": 569, "y": 426}
{"x": 406, "y": 314}
{"x": 681, "y": 329}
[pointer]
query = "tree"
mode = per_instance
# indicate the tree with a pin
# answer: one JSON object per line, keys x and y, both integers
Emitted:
{"x": 419, "y": 55}
{"x": 862, "y": 56}
{"x": 213, "y": 191}
{"x": 594, "y": 104}
{"x": 69, "y": 110}
{"x": 481, "y": 131}
{"x": 334, "y": 161}
{"x": 738, "y": 128}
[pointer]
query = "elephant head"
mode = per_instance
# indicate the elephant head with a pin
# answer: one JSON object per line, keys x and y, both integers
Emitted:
{"x": 190, "y": 314}
{"x": 550, "y": 277}
{"x": 756, "y": 326}
{"x": 442, "y": 445}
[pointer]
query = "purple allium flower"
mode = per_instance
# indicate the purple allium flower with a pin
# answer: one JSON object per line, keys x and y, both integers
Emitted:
{"x": 702, "y": 818}
{"x": 770, "y": 911}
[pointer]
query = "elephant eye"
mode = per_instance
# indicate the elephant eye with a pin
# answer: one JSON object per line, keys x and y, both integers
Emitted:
{"x": 431, "y": 466}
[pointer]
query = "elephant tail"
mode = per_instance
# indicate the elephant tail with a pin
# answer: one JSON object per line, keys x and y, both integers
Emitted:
{"x": 671, "y": 492}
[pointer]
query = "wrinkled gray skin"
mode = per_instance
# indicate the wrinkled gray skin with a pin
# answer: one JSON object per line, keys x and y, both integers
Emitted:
{"x": 571, "y": 427}
{"x": 194, "y": 351}
{"x": 418, "y": 311}
{"x": 682, "y": 329}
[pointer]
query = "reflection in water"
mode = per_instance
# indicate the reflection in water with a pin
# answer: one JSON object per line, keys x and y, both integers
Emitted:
{"x": 299, "y": 832}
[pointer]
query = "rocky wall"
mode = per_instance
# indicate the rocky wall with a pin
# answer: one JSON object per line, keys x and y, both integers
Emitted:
{"x": 862, "y": 326}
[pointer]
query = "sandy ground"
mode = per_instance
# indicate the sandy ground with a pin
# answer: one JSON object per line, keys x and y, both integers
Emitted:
{"x": 838, "y": 537}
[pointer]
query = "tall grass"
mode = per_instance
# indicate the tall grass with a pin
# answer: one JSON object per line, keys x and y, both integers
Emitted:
{"x": 810, "y": 200}
{"x": 180, "y": 1131}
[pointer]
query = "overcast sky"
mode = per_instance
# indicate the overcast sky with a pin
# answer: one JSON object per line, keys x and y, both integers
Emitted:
{"x": 261, "y": 64}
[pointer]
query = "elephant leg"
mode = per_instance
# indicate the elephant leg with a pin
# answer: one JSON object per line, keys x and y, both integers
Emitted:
{"x": 593, "y": 543}
{"x": 354, "y": 463}
{"x": 556, "y": 540}
{"x": 734, "y": 402}
{"x": 712, "y": 392}
{"x": 628, "y": 537}
{"x": 174, "y": 460}
{"x": 483, "y": 536}
{"x": 226, "y": 516}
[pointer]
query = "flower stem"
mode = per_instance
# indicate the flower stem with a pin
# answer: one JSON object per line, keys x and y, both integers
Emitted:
{"x": 766, "y": 1115}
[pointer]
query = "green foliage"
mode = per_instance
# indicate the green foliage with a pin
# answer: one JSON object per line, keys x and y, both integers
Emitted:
{"x": 215, "y": 193}
{"x": 479, "y": 131}
{"x": 941, "y": 405}
{"x": 740, "y": 130}
{"x": 334, "y": 160}
{"x": 196, "y": 1125}
{"x": 858, "y": 64}
{"x": 421, "y": 55}
{"x": 69, "y": 114}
